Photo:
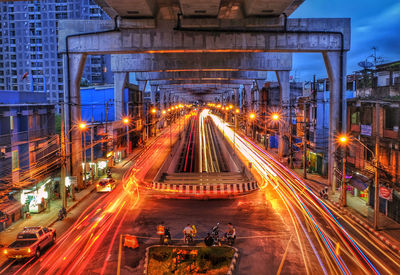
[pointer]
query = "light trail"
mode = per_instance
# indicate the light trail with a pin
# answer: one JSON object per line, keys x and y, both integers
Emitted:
{"x": 297, "y": 194}
{"x": 99, "y": 224}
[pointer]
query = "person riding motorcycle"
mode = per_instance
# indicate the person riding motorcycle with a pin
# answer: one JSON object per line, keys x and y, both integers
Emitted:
{"x": 188, "y": 233}
{"x": 324, "y": 193}
{"x": 230, "y": 234}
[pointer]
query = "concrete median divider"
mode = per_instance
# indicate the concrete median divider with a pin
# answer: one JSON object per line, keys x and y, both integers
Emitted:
{"x": 205, "y": 190}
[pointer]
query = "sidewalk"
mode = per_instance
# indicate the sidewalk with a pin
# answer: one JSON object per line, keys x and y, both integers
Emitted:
{"x": 48, "y": 217}
{"x": 357, "y": 209}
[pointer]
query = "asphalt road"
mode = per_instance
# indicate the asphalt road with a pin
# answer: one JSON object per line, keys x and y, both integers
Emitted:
{"x": 275, "y": 232}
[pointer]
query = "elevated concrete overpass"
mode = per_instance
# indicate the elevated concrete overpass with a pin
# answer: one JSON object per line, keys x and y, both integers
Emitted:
{"x": 179, "y": 30}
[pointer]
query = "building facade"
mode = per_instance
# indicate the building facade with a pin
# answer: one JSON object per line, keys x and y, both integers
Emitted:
{"x": 28, "y": 46}
{"x": 29, "y": 153}
{"x": 373, "y": 118}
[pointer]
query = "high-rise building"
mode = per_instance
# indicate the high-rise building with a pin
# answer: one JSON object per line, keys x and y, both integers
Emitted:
{"x": 28, "y": 46}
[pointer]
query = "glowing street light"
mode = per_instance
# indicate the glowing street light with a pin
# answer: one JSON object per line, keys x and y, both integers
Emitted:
{"x": 82, "y": 126}
{"x": 252, "y": 116}
{"x": 343, "y": 139}
{"x": 125, "y": 120}
{"x": 275, "y": 116}
{"x": 237, "y": 110}
{"x": 231, "y": 106}
{"x": 154, "y": 110}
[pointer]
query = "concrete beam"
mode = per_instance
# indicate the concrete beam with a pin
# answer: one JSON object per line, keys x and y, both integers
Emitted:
{"x": 204, "y": 75}
{"x": 178, "y": 82}
{"x": 201, "y": 86}
{"x": 301, "y": 35}
{"x": 170, "y": 62}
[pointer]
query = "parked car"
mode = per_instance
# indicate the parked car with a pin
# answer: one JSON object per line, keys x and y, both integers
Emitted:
{"x": 105, "y": 185}
{"x": 30, "y": 242}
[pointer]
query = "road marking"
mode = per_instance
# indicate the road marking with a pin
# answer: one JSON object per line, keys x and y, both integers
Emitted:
{"x": 119, "y": 255}
{"x": 284, "y": 256}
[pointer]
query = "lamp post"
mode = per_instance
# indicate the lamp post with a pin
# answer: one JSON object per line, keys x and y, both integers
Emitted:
{"x": 154, "y": 112}
{"x": 83, "y": 127}
{"x": 127, "y": 121}
{"x": 237, "y": 111}
{"x": 343, "y": 140}
{"x": 376, "y": 181}
{"x": 252, "y": 116}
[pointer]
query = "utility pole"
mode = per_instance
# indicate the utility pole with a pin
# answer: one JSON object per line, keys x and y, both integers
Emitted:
{"x": 92, "y": 149}
{"x": 344, "y": 187}
{"x": 290, "y": 135}
{"x": 376, "y": 197}
{"x": 305, "y": 141}
{"x": 63, "y": 160}
{"x": 107, "y": 108}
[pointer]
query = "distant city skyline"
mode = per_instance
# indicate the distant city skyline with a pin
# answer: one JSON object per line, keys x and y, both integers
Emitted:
{"x": 373, "y": 24}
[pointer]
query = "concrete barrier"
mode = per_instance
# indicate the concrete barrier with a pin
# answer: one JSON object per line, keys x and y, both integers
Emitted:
{"x": 210, "y": 190}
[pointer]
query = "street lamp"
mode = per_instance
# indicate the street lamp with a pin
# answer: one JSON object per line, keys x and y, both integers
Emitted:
{"x": 252, "y": 116}
{"x": 127, "y": 121}
{"x": 237, "y": 111}
{"x": 376, "y": 182}
{"x": 343, "y": 140}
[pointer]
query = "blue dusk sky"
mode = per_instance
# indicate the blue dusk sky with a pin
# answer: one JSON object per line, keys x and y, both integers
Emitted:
{"x": 374, "y": 23}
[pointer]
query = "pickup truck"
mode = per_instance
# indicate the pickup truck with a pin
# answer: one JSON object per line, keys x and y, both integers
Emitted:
{"x": 30, "y": 242}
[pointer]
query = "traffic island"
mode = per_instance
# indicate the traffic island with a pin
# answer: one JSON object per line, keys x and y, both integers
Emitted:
{"x": 190, "y": 260}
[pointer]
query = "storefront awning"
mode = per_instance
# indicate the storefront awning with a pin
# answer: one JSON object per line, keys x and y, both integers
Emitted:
{"x": 359, "y": 181}
{"x": 10, "y": 207}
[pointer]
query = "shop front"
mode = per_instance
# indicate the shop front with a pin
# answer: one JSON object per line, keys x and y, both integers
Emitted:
{"x": 358, "y": 186}
{"x": 10, "y": 211}
{"x": 35, "y": 199}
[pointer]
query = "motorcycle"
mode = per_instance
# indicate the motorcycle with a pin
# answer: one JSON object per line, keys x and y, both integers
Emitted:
{"x": 62, "y": 213}
{"x": 188, "y": 239}
{"x": 166, "y": 238}
{"x": 109, "y": 175}
{"x": 228, "y": 239}
{"x": 212, "y": 238}
{"x": 324, "y": 193}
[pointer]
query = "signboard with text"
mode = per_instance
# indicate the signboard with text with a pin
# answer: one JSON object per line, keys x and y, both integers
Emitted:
{"x": 386, "y": 193}
{"x": 366, "y": 130}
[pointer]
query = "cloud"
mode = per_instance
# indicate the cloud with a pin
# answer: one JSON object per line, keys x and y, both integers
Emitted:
{"x": 374, "y": 24}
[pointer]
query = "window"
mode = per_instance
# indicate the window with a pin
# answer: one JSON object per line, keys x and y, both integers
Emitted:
{"x": 355, "y": 118}
{"x": 366, "y": 116}
{"x": 391, "y": 118}
{"x": 14, "y": 160}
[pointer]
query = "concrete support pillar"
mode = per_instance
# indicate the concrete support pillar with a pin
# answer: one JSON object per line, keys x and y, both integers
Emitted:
{"x": 73, "y": 68}
{"x": 247, "y": 101}
{"x": 335, "y": 63}
{"x": 119, "y": 87}
{"x": 154, "y": 89}
{"x": 236, "y": 95}
{"x": 284, "y": 86}
{"x": 142, "y": 89}
{"x": 162, "y": 99}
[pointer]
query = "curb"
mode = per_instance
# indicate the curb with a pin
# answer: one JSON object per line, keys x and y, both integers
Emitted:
{"x": 369, "y": 228}
{"x": 146, "y": 258}
{"x": 234, "y": 262}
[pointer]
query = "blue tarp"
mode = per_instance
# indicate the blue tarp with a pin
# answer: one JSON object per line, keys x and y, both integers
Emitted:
{"x": 360, "y": 182}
